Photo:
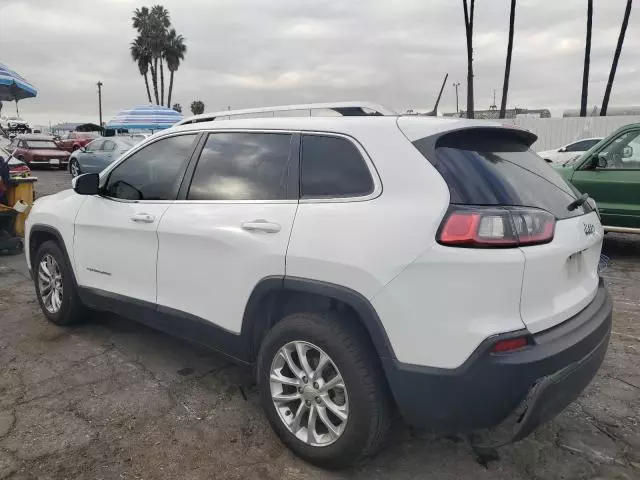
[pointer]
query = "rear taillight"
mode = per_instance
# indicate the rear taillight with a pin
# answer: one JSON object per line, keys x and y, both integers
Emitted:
{"x": 496, "y": 227}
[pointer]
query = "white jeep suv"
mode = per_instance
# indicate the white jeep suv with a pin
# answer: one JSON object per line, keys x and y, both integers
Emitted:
{"x": 361, "y": 264}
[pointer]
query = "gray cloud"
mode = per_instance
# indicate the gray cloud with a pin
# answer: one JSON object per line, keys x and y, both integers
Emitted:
{"x": 251, "y": 52}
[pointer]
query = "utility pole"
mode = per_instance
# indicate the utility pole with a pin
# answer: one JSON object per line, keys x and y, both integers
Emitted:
{"x": 493, "y": 106}
{"x": 100, "y": 102}
{"x": 456, "y": 85}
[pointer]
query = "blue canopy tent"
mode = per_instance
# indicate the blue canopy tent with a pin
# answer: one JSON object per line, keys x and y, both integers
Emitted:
{"x": 14, "y": 87}
{"x": 145, "y": 117}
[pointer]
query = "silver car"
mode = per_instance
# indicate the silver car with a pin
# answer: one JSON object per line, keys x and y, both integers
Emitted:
{"x": 94, "y": 157}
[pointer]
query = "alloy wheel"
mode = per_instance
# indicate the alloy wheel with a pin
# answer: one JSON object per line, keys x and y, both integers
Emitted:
{"x": 50, "y": 283}
{"x": 309, "y": 393}
{"x": 74, "y": 168}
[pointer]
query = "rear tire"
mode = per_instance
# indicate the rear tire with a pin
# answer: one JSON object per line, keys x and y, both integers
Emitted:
{"x": 367, "y": 403}
{"x": 55, "y": 287}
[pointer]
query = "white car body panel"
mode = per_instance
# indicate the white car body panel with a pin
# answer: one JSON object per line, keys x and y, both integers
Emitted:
{"x": 443, "y": 305}
{"x": 561, "y": 277}
{"x": 57, "y": 211}
{"x": 114, "y": 252}
{"x": 208, "y": 264}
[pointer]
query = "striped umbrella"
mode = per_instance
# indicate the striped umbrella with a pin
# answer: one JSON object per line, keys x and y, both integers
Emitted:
{"x": 14, "y": 86}
{"x": 145, "y": 117}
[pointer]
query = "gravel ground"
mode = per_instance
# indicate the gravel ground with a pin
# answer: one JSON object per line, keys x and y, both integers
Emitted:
{"x": 114, "y": 399}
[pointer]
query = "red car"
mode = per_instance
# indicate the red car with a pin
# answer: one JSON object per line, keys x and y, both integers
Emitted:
{"x": 73, "y": 141}
{"x": 35, "y": 150}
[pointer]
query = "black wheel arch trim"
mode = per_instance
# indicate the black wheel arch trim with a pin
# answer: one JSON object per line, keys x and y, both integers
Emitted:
{"x": 38, "y": 228}
{"x": 367, "y": 314}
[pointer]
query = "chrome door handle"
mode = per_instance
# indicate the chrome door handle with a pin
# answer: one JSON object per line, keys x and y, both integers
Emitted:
{"x": 261, "y": 226}
{"x": 143, "y": 218}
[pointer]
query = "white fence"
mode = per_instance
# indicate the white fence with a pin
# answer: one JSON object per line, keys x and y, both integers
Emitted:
{"x": 556, "y": 132}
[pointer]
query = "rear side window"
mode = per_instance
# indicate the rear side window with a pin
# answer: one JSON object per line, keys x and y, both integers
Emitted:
{"x": 242, "y": 166}
{"x": 333, "y": 167}
{"x": 493, "y": 167}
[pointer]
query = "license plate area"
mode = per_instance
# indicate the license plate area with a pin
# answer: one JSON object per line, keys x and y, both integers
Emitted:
{"x": 54, "y": 161}
{"x": 575, "y": 264}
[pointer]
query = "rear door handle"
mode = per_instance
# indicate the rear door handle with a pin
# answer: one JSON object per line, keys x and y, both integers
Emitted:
{"x": 261, "y": 226}
{"x": 143, "y": 218}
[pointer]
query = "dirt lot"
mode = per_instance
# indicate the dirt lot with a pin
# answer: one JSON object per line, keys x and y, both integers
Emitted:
{"x": 116, "y": 400}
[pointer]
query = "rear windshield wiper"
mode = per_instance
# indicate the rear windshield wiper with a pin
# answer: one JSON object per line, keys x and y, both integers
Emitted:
{"x": 578, "y": 202}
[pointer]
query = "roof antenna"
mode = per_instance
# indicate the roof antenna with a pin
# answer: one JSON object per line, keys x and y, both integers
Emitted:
{"x": 434, "y": 112}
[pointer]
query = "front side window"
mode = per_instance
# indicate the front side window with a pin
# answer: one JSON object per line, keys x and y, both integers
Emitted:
{"x": 242, "y": 166}
{"x": 623, "y": 153}
{"x": 153, "y": 172}
{"x": 108, "y": 146}
{"x": 333, "y": 167}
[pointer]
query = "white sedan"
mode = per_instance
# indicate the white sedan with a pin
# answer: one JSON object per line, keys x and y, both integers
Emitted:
{"x": 572, "y": 150}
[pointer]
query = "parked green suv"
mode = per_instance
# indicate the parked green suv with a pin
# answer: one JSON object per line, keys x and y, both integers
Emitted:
{"x": 610, "y": 173}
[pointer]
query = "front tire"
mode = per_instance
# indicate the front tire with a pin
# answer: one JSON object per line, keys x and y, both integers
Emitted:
{"x": 74, "y": 168}
{"x": 322, "y": 389}
{"x": 55, "y": 287}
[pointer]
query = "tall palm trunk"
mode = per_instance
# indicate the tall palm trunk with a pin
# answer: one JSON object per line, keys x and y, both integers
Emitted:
{"x": 170, "y": 89}
{"x": 154, "y": 79}
{"x": 146, "y": 84}
{"x": 468, "y": 26}
{"x": 161, "y": 82}
{"x": 587, "y": 61}
{"x": 507, "y": 67}
{"x": 616, "y": 57}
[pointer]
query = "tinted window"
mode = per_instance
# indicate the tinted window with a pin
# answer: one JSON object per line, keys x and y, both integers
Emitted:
{"x": 490, "y": 168}
{"x": 333, "y": 167}
{"x": 152, "y": 173}
{"x": 242, "y": 166}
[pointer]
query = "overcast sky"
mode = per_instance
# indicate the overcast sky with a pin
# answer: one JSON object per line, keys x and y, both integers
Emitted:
{"x": 246, "y": 53}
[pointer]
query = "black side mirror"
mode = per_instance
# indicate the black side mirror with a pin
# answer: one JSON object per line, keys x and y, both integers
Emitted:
{"x": 601, "y": 161}
{"x": 83, "y": 149}
{"x": 87, "y": 184}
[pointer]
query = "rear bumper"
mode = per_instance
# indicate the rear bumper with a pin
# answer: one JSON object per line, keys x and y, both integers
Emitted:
{"x": 535, "y": 383}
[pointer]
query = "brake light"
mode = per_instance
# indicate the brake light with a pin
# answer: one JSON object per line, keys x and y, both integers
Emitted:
{"x": 496, "y": 227}
{"x": 509, "y": 345}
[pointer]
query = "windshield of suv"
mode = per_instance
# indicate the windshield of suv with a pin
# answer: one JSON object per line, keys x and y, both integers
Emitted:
{"x": 41, "y": 144}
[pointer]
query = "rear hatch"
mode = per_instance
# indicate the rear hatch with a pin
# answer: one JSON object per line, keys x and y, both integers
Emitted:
{"x": 493, "y": 169}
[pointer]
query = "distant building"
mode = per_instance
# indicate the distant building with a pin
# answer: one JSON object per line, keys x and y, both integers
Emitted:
{"x": 611, "y": 112}
{"x": 492, "y": 114}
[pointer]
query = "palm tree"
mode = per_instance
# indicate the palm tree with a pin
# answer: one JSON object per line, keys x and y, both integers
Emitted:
{"x": 142, "y": 56}
{"x": 160, "y": 22}
{"x": 173, "y": 54}
{"x": 142, "y": 22}
{"x": 587, "y": 60}
{"x": 616, "y": 57}
{"x": 468, "y": 27}
{"x": 507, "y": 68}
{"x": 197, "y": 107}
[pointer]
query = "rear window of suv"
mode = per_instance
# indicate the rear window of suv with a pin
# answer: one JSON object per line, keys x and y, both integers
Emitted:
{"x": 494, "y": 167}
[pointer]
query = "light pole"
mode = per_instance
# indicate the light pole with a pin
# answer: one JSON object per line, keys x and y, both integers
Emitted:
{"x": 456, "y": 85}
{"x": 100, "y": 102}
